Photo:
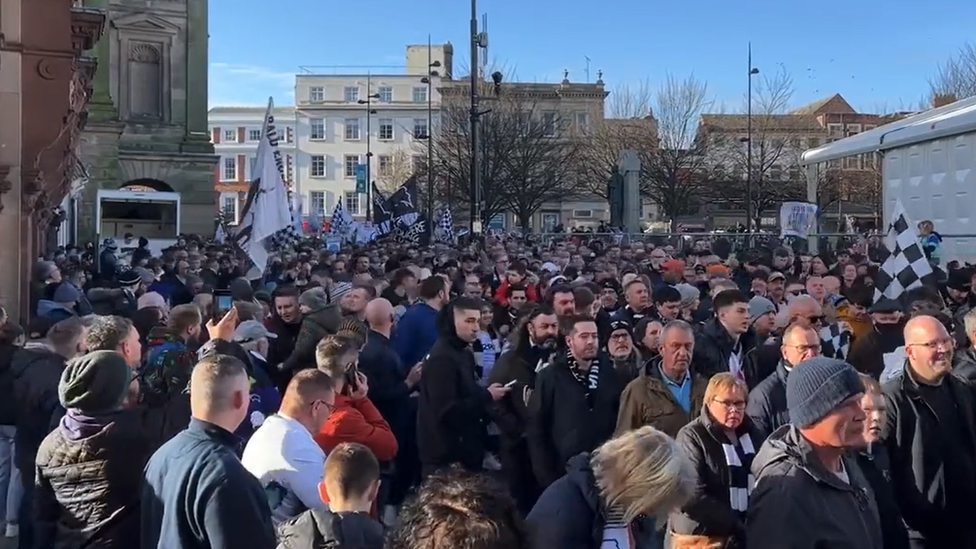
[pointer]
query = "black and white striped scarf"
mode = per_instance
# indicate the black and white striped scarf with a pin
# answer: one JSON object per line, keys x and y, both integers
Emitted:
{"x": 589, "y": 379}
{"x": 738, "y": 457}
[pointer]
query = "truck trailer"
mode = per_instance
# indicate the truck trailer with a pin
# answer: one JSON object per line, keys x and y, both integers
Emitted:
{"x": 928, "y": 161}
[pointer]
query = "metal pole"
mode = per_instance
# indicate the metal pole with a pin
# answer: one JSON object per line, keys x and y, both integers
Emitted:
{"x": 749, "y": 151}
{"x": 475, "y": 213}
{"x": 430, "y": 140}
{"x": 369, "y": 153}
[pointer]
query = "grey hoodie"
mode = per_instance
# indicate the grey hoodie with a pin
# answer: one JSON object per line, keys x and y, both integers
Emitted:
{"x": 798, "y": 504}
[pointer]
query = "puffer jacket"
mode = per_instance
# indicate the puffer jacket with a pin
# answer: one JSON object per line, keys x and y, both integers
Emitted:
{"x": 767, "y": 402}
{"x": 316, "y": 529}
{"x": 87, "y": 489}
{"x": 713, "y": 347}
{"x": 315, "y": 326}
{"x": 798, "y": 504}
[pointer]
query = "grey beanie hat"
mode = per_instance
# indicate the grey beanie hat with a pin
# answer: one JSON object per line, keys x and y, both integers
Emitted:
{"x": 817, "y": 386}
{"x": 315, "y": 299}
{"x": 94, "y": 383}
{"x": 688, "y": 293}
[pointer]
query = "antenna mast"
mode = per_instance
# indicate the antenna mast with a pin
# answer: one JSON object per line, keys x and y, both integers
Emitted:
{"x": 587, "y": 70}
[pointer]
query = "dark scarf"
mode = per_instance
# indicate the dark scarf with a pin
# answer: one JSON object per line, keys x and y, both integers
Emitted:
{"x": 590, "y": 380}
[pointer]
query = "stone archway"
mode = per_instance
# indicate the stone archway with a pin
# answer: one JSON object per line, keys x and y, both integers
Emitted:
{"x": 146, "y": 185}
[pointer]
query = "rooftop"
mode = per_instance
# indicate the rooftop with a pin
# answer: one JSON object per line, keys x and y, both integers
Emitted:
{"x": 760, "y": 122}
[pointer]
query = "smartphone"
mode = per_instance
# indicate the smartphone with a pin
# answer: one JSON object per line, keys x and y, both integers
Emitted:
{"x": 223, "y": 302}
{"x": 352, "y": 378}
{"x": 511, "y": 383}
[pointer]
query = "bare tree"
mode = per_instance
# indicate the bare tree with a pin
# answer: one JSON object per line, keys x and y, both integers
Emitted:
{"x": 392, "y": 170}
{"x": 601, "y": 147}
{"x": 776, "y": 143}
{"x": 956, "y": 78}
{"x": 674, "y": 173}
{"x": 631, "y": 101}
{"x": 526, "y": 158}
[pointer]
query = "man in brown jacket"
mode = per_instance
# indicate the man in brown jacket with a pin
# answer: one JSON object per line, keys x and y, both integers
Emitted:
{"x": 666, "y": 395}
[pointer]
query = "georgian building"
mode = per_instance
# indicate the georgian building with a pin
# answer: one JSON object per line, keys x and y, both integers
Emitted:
{"x": 45, "y": 85}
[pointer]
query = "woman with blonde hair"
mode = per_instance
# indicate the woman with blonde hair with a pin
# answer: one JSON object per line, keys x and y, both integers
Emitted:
{"x": 611, "y": 496}
{"x": 721, "y": 443}
{"x": 873, "y": 461}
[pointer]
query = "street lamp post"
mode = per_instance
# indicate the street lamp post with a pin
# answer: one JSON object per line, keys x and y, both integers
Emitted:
{"x": 752, "y": 71}
{"x": 429, "y": 80}
{"x": 475, "y": 210}
{"x": 369, "y": 152}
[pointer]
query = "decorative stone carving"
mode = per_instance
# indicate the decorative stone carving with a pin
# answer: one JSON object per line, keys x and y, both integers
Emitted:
{"x": 48, "y": 69}
{"x": 145, "y": 81}
{"x": 87, "y": 25}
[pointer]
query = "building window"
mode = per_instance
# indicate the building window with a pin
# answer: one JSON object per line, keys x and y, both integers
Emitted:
{"x": 835, "y": 130}
{"x": 252, "y": 162}
{"x": 352, "y": 129}
{"x": 420, "y": 128}
{"x": 419, "y": 163}
{"x": 549, "y": 124}
{"x": 228, "y": 206}
{"x": 229, "y": 173}
{"x": 352, "y": 202}
{"x": 254, "y": 135}
{"x": 385, "y": 165}
{"x": 318, "y": 166}
{"x": 284, "y": 135}
{"x": 869, "y": 127}
{"x": 349, "y": 163}
{"x": 316, "y": 94}
{"x": 385, "y": 93}
{"x": 582, "y": 122}
{"x": 230, "y": 136}
{"x": 386, "y": 129}
{"x": 316, "y": 203}
{"x": 420, "y": 94}
{"x": 317, "y": 128}
{"x": 350, "y": 94}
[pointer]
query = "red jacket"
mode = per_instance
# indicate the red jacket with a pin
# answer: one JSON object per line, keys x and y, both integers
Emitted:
{"x": 358, "y": 421}
{"x": 531, "y": 293}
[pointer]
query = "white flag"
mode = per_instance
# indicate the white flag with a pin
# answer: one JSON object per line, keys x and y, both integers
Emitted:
{"x": 267, "y": 209}
{"x": 797, "y": 219}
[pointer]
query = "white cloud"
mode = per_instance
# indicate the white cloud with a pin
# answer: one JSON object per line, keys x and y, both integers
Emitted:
{"x": 249, "y": 85}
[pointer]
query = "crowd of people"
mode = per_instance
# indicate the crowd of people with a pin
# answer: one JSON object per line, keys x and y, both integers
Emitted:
{"x": 496, "y": 394}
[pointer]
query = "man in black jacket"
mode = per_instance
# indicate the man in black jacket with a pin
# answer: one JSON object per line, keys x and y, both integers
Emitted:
{"x": 931, "y": 440}
{"x": 575, "y": 402}
{"x": 390, "y": 390}
{"x": 767, "y": 402}
{"x": 726, "y": 343}
{"x": 36, "y": 370}
{"x": 196, "y": 493}
{"x": 535, "y": 340}
{"x": 453, "y": 407}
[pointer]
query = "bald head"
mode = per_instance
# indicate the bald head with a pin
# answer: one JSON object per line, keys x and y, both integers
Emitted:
{"x": 379, "y": 313}
{"x": 923, "y": 329}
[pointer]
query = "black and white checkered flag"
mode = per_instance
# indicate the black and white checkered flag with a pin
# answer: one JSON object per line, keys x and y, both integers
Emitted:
{"x": 835, "y": 341}
{"x": 447, "y": 226}
{"x": 907, "y": 267}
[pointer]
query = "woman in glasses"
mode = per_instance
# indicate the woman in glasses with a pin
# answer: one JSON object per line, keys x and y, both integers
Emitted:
{"x": 721, "y": 444}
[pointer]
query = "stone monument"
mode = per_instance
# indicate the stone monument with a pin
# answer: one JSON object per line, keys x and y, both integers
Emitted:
{"x": 148, "y": 112}
{"x": 629, "y": 165}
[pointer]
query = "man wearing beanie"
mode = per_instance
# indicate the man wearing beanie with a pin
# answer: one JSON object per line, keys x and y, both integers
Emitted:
{"x": 89, "y": 468}
{"x": 808, "y": 491}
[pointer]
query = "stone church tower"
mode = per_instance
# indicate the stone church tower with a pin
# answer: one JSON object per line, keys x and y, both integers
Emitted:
{"x": 147, "y": 121}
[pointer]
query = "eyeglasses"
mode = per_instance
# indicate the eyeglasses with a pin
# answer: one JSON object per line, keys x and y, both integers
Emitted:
{"x": 937, "y": 345}
{"x": 805, "y": 348}
{"x": 816, "y": 319}
{"x": 330, "y": 407}
{"x": 730, "y": 405}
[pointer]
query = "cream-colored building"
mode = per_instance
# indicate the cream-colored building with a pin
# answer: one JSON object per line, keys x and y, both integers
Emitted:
{"x": 578, "y": 107}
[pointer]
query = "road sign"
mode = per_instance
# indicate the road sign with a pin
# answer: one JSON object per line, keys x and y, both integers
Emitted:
{"x": 361, "y": 178}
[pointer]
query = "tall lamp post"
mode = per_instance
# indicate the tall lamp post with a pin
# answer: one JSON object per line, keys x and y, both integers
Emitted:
{"x": 752, "y": 71}
{"x": 429, "y": 80}
{"x": 369, "y": 152}
{"x": 475, "y": 212}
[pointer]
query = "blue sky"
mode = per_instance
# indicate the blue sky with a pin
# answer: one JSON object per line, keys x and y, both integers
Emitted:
{"x": 879, "y": 54}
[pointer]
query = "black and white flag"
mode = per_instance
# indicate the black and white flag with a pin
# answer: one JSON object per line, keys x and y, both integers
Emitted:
{"x": 907, "y": 267}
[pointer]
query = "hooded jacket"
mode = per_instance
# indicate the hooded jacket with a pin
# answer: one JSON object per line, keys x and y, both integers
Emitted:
{"x": 452, "y": 408}
{"x": 36, "y": 371}
{"x": 798, "y": 504}
{"x": 315, "y": 326}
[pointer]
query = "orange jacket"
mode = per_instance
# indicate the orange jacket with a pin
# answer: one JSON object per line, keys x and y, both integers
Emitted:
{"x": 358, "y": 421}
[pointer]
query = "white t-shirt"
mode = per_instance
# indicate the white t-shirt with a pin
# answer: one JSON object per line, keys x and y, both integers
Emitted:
{"x": 288, "y": 462}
